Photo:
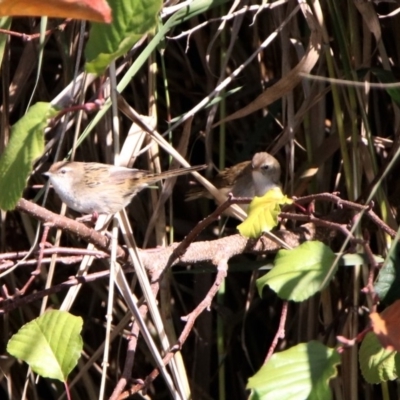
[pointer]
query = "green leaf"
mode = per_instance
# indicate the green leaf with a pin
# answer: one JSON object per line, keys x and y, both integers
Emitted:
{"x": 387, "y": 285}
{"x": 301, "y": 272}
{"x": 5, "y": 24}
{"x": 377, "y": 364}
{"x": 302, "y": 372}
{"x": 352, "y": 259}
{"x": 195, "y": 7}
{"x": 50, "y": 344}
{"x": 387, "y": 76}
{"x": 25, "y": 145}
{"x": 131, "y": 20}
{"x": 263, "y": 213}
{"x": 397, "y": 363}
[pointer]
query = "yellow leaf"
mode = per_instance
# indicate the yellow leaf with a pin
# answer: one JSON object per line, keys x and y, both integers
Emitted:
{"x": 263, "y": 213}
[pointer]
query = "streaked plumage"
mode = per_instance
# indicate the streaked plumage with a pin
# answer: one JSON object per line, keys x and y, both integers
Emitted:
{"x": 95, "y": 188}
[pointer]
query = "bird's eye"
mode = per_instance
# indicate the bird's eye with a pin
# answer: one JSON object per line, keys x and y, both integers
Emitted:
{"x": 63, "y": 171}
{"x": 265, "y": 167}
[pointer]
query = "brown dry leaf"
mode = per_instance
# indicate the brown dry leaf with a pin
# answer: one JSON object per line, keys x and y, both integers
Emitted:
{"x": 293, "y": 78}
{"x": 370, "y": 17}
{"x": 92, "y": 10}
{"x": 386, "y": 326}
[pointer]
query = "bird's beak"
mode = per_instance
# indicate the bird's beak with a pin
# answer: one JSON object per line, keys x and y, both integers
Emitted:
{"x": 46, "y": 173}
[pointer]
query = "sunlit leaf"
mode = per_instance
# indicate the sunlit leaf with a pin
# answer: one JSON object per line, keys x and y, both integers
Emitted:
{"x": 377, "y": 364}
{"x": 302, "y": 372}
{"x": 25, "y": 145}
{"x": 131, "y": 20}
{"x": 50, "y": 344}
{"x": 351, "y": 259}
{"x": 263, "y": 213}
{"x": 300, "y": 273}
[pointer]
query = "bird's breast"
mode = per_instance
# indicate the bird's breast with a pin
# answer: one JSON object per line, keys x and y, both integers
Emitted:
{"x": 262, "y": 183}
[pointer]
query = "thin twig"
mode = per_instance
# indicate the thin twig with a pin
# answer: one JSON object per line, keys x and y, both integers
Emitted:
{"x": 280, "y": 334}
{"x": 36, "y": 272}
{"x": 195, "y": 232}
{"x": 27, "y": 38}
{"x": 58, "y": 221}
{"x": 10, "y": 303}
{"x": 190, "y": 320}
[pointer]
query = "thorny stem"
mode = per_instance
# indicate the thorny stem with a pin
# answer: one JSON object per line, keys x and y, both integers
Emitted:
{"x": 179, "y": 251}
{"x": 185, "y": 243}
{"x": 9, "y": 303}
{"x": 190, "y": 320}
{"x": 331, "y": 197}
{"x": 36, "y": 272}
{"x": 369, "y": 288}
{"x": 28, "y": 38}
{"x": 280, "y": 334}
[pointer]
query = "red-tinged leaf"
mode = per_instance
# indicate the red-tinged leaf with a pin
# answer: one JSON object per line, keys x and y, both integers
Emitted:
{"x": 92, "y": 10}
{"x": 386, "y": 326}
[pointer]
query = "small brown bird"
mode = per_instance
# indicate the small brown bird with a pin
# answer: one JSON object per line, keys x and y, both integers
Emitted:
{"x": 94, "y": 188}
{"x": 246, "y": 179}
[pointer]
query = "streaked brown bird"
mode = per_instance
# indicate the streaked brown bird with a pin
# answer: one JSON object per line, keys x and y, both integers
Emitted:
{"x": 95, "y": 188}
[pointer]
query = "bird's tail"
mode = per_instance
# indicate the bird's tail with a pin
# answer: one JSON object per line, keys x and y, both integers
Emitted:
{"x": 150, "y": 178}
